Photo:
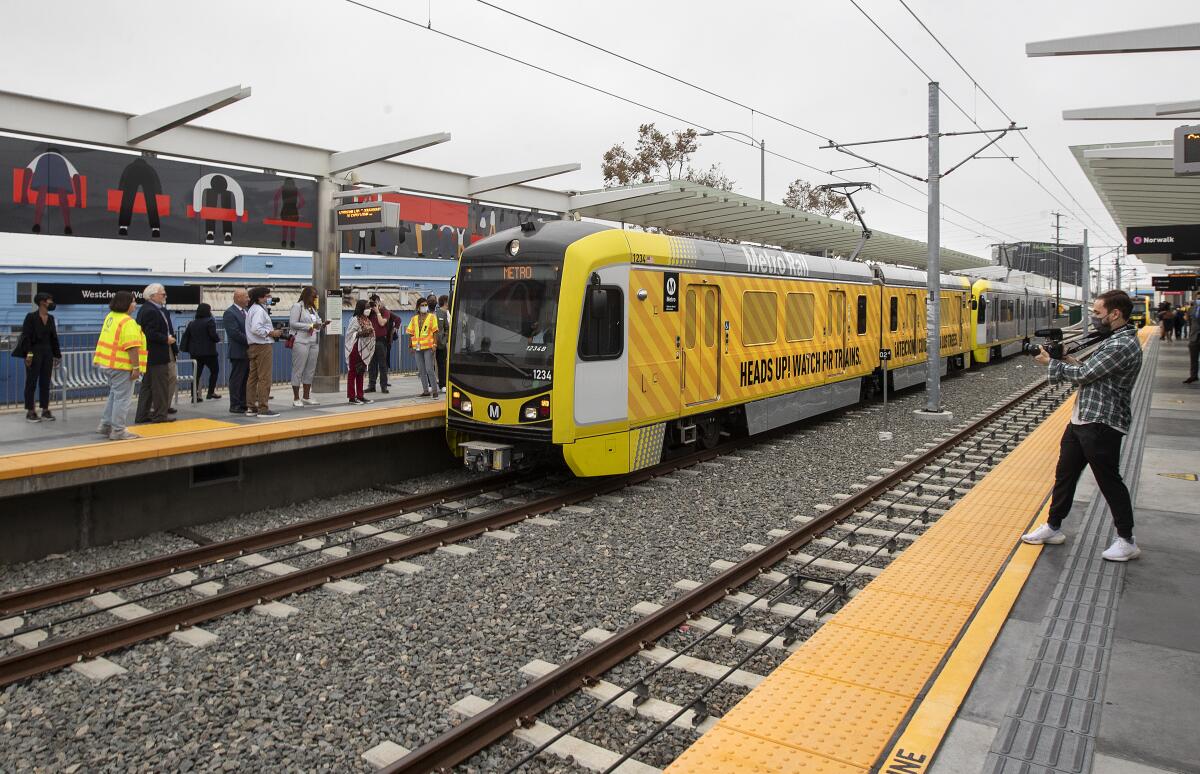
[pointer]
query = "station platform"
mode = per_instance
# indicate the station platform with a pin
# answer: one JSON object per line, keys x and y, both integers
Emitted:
{"x": 973, "y": 652}
{"x": 75, "y": 479}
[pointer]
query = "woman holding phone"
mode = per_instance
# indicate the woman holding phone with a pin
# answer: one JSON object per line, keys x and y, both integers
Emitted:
{"x": 304, "y": 325}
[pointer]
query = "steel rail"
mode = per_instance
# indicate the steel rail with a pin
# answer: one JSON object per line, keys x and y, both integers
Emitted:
{"x": 25, "y": 600}
{"x": 518, "y": 710}
{"x": 55, "y": 655}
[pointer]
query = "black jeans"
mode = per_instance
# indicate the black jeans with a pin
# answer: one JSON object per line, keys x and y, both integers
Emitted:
{"x": 37, "y": 379}
{"x": 440, "y": 355}
{"x": 1193, "y": 356}
{"x": 239, "y": 372}
{"x": 209, "y": 362}
{"x": 378, "y": 367}
{"x": 1099, "y": 446}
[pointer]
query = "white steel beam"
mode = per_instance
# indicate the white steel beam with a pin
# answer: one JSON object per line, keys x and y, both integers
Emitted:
{"x": 478, "y": 185}
{"x": 596, "y": 198}
{"x": 1179, "y": 37}
{"x": 1147, "y": 111}
{"x": 341, "y": 161}
{"x": 28, "y": 114}
{"x": 1135, "y": 152}
{"x": 147, "y": 125}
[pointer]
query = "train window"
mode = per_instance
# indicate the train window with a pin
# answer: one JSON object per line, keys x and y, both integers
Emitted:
{"x": 947, "y": 307}
{"x": 983, "y": 305}
{"x": 710, "y": 317}
{"x": 689, "y": 320}
{"x": 601, "y": 336}
{"x": 758, "y": 318}
{"x": 799, "y": 316}
{"x": 862, "y": 315}
{"x": 24, "y": 292}
{"x": 894, "y": 314}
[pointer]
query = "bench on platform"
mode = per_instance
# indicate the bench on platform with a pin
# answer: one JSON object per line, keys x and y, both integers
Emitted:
{"x": 78, "y": 378}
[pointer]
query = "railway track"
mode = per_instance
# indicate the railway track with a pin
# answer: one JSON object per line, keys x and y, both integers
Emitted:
{"x": 789, "y": 586}
{"x": 209, "y": 570}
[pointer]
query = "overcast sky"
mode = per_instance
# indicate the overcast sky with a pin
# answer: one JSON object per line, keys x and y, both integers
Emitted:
{"x": 331, "y": 74}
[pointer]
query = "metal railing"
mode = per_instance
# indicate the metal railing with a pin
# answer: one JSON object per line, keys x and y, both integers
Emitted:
{"x": 12, "y": 370}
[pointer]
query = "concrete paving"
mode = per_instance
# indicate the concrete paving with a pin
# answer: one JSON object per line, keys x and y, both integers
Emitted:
{"x": 77, "y": 426}
{"x": 1146, "y": 713}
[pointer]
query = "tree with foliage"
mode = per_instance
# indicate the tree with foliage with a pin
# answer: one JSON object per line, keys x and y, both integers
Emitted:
{"x": 660, "y": 155}
{"x": 803, "y": 195}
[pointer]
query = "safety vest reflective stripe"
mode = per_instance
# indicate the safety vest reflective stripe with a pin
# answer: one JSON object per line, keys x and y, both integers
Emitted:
{"x": 421, "y": 336}
{"x": 109, "y": 353}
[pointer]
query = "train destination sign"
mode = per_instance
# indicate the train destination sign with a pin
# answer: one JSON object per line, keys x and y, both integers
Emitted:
{"x": 1184, "y": 238}
{"x": 368, "y": 215}
{"x": 1174, "y": 283}
{"x": 1187, "y": 150}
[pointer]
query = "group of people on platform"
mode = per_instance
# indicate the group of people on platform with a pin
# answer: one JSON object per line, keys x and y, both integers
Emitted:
{"x": 1174, "y": 321}
{"x": 139, "y": 344}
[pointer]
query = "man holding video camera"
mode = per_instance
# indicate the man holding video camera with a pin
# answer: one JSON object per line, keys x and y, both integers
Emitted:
{"x": 1098, "y": 424}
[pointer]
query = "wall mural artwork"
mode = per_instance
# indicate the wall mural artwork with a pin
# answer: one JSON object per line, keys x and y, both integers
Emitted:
{"x": 66, "y": 189}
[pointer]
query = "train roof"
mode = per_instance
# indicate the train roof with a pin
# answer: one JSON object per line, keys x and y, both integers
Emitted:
{"x": 902, "y": 276}
{"x": 1005, "y": 287}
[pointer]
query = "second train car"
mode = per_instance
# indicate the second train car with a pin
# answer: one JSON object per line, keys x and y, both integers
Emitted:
{"x": 612, "y": 347}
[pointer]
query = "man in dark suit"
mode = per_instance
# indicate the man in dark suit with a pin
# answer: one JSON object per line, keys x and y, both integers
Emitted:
{"x": 158, "y": 386}
{"x": 234, "y": 322}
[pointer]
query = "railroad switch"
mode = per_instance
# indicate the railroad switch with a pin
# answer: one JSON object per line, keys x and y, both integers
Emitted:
{"x": 841, "y": 593}
{"x": 852, "y": 539}
{"x": 890, "y": 546}
{"x": 790, "y": 635}
{"x": 738, "y": 623}
{"x": 791, "y": 584}
{"x": 700, "y": 712}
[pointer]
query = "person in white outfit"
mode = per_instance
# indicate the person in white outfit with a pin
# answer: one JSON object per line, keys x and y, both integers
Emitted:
{"x": 305, "y": 325}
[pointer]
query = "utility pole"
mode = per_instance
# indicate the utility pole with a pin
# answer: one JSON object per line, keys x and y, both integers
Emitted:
{"x": 1117, "y": 271}
{"x": 1057, "y": 261}
{"x": 1085, "y": 285}
{"x": 933, "y": 277}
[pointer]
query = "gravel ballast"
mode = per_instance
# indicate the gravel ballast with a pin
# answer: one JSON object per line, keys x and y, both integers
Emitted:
{"x": 314, "y": 691}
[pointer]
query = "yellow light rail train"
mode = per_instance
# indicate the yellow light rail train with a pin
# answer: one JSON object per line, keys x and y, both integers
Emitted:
{"x": 613, "y": 347}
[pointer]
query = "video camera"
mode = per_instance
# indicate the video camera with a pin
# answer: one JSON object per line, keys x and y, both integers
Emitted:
{"x": 1052, "y": 341}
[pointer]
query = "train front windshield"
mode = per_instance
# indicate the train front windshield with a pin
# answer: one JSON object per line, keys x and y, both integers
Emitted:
{"x": 504, "y": 324}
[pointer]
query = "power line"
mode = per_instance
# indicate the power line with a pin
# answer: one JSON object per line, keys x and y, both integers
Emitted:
{"x": 988, "y": 96}
{"x": 428, "y": 28}
{"x": 732, "y": 101}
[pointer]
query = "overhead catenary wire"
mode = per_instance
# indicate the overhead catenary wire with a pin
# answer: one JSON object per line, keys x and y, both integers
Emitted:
{"x": 971, "y": 118}
{"x": 600, "y": 90}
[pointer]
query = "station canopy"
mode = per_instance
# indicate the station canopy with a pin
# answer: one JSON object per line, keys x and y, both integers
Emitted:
{"x": 688, "y": 207}
{"x": 1137, "y": 183}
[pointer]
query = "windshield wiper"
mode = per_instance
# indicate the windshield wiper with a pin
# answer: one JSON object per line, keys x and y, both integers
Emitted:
{"x": 506, "y": 361}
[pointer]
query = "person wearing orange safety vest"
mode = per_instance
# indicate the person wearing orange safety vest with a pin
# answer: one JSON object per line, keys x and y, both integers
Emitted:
{"x": 422, "y": 337}
{"x": 121, "y": 358}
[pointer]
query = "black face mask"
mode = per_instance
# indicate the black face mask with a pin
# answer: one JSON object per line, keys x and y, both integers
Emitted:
{"x": 50, "y": 307}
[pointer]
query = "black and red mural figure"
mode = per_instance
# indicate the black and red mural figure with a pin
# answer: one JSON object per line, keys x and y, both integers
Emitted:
{"x": 50, "y": 179}
{"x": 217, "y": 198}
{"x": 139, "y": 191}
{"x": 288, "y": 202}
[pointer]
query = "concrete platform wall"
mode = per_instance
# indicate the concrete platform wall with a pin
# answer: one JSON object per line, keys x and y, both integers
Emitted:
{"x": 102, "y": 512}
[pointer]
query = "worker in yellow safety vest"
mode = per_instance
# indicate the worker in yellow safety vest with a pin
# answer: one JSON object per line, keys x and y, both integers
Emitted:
{"x": 120, "y": 358}
{"x": 422, "y": 337}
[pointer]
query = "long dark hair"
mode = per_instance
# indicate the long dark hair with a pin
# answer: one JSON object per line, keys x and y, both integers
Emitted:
{"x": 308, "y": 297}
{"x": 202, "y": 311}
{"x": 360, "y": 309}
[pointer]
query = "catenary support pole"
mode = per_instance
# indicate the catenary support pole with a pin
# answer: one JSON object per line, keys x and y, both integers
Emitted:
{"x": 933, "y": 386}
{"x": 327, "y": 272}
{"x": 762, "y": 170}
{"x": 1085, "y": 282}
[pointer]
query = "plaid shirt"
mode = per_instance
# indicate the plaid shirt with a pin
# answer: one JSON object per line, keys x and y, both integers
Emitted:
{"x": 1105, "y": 380}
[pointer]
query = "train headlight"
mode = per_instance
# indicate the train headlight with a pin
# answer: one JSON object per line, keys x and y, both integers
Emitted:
{"x": 531, "y": 412}
{"x": 465, "y": 407}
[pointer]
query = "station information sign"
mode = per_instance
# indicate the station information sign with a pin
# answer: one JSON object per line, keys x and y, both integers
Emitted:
{"x": 1187, "y": 150}
{"x": 1175, "y": 283}
{"x": 1180, "y": 239}
{"x": 367, "y": 215}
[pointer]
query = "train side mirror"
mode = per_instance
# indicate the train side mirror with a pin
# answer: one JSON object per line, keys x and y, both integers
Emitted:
{"x": 974, "y": 304}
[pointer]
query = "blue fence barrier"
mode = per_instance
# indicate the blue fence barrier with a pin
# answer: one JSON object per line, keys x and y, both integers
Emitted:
{"x": 12, "y": 370}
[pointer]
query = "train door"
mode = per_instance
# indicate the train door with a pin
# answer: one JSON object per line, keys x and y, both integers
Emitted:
{"x": 701, "y": 344}
{"x": 910, "y": 314}
{"x": 835, "y": 330}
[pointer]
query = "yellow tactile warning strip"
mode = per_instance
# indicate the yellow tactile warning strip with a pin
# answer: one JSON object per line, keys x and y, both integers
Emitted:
{"x": 94, "y": 455}
{"x": 882, "y": 649}
{"x": 836, "y": 703}
{"x": 182, "y": 426}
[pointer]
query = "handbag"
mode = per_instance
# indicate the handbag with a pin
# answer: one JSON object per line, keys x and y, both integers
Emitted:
{"x": 22, "y": 348}
{"x": 290, "y": 341}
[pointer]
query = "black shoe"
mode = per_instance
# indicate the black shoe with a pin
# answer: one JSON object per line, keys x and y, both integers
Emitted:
{"x": 1189, "y": 380}
{"x": 424, "y": 394}
{"x": 383, "y": 390}
{"x": 241, "y": 411}
{"x": 156, "y": 233}
{"x": 163, "y": 420}
{"x": 46, "y": 415}
{"x": 122, "y": 230}
{"x": 212, "y": 396}
{"x": 269, "y": 414}
{"x": 172, "y": 411}
{"x": 370, "y": 389}
{"x": 68, "y": 231}
{"x": 37, "y": 229}
{"x": 31, "y": 416}
{"x": 365, "y": 400}
{"x": 199, "y": 398}
{"x": 354, "y": 401}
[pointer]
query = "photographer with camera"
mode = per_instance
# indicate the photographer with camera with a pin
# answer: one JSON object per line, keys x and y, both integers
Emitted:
{"x": 1098, "y": 424}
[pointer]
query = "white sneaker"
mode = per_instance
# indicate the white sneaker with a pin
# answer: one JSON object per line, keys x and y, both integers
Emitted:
{"x": 1045, "y": 534}
{"x": 104, "y": 429}
{"x": 298, "y": 403}
{"x": 1122, "y": 550}
{"x": 310, "y": 402}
